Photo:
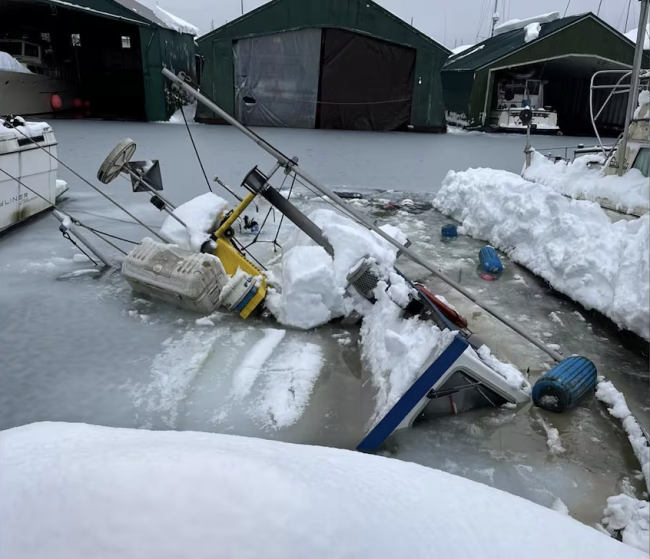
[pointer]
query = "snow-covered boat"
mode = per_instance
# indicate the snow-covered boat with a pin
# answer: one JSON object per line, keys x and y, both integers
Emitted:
{"x": 516, "y": 94}
{"x": 28, "y": 170}
{"x": 30, "y": 85}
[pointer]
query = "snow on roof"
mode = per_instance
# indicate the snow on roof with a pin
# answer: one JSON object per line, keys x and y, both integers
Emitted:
{"x": 521, "y": 23}
{"x": 631, "y": 35}
{"x": 467, "y": 52}
{"x": 175, "y": 22}
{"x": 460, "y": 49}
{"x": 70, "y": 488}
{"x": 10, "y": 64}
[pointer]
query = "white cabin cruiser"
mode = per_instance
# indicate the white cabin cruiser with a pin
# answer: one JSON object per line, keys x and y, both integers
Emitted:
{"x": 28, "y": 170}
{"x": 516, "y": 94}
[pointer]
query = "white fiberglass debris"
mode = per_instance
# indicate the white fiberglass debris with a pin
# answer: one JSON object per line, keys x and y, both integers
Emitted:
{"x": 168, "y": 494}
{"x": 10, "y": 64}
{"x": 559, "y": 506}
{"x": 627, "y": 193}
{"x": 289, "y": 380}
{"x": 251, "y": 366}
{"x": 569, "y": 243}
{"x": 173, "y": 371}
{"x": 396, "y": 349}
{"x": 522, "y": 23}
{"x": 607, "y": 393}
{"x": 200, "y": 214}
{"x": 175, "y": 22}
{"x": 630, "y": 517}
{"x": 531, "y": 31}
{"x": 512, "y": 375}
{"x": 553, "y": 441}
{"x": 644, "y": 101}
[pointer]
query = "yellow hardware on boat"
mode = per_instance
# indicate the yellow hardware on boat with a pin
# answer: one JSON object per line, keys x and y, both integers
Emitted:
{"x": 232, "y": 260}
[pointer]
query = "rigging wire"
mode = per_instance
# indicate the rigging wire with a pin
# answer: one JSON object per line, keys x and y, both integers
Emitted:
{"x": 567, "y": 7}
{"x": 627, "y": 15}
{"x": 70, "y": 217}
{"x": 196, "y": 151}
{"x": 87, "y": 182}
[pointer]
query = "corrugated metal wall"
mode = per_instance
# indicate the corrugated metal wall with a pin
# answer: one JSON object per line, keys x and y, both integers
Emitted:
{"x": 359, "y": 16}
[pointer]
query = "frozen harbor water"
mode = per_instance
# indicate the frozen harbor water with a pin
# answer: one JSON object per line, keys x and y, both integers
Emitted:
{"x": 86, "y": 349}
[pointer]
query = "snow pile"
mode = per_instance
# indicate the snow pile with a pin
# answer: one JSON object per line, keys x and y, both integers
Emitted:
{"x": 311, "y": 285}
{"x": 22, "y": 128}
{"x": 200, "y": 214}
{"x": 642, "y": 108}
{"x": 631, "y": 518}
{"x": 176, "y": 23}
{"x": 396, "y": 349}
{"x": 10, "y": 64}
{"x": 631, "y": 35}
{"x": 531, "y": 31}
{"x": 569, "y": 243}
{"x": 461, "y": 48}
{"x": 70, "y": 488}
{"x": 60, "y": 188}
{"x": 512, "y": 375}
{"x": 188, "y": 110}
{"x": 512, "y": 24}
{"x": 607, "y": 393}
{"x": 629, "y": 193}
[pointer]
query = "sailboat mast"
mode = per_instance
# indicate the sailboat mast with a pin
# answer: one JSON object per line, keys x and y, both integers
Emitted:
{"x": 634, "y": 80}
{"x": 495, "y": 17}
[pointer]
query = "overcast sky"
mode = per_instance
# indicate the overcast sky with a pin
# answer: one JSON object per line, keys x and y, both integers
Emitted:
{"x": 451, "y": 22}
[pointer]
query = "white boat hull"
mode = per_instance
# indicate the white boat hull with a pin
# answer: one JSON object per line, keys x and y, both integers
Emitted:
{"x": 33, "y": 167}
{"x": 508, "y": 119}
{"x": 31, "y": 94}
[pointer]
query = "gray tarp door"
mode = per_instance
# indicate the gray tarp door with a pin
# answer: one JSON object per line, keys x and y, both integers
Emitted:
{"x": 276, "y": 79}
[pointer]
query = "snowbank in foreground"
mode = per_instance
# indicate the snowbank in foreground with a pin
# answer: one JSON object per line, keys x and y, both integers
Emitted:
{"x": 569, "y": 243}
{"x": 627, "y": 193}
{"x": 607, "y": 393}
{"x": 74, "y": 491}
{"x": 631, "y": 518}
{"x": 200, "y": 214}
{"x": 9, "y": 63}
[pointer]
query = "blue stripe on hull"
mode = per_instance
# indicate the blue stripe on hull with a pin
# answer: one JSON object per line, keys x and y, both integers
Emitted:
{"x": 413, "y": 395}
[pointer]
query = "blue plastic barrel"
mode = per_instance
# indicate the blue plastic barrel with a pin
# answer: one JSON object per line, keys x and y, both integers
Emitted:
{"x": 490, "y": 261}
{"x": 449, "y": 230}
{"x": 562, "y": 387}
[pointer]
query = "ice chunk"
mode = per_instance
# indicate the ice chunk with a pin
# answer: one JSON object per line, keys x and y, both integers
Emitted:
{"x": 200, "y": 214}
{"x": 644, "y": 101}
{"x": 168, "y": 494}
{"x": 631, "y": 517}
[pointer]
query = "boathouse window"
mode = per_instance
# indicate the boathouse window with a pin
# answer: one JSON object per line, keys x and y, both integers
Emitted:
{"x": 31, "y": 50}
{"x": 642, "y": 161}
{"x": 46, "y": 37}
{"x": 126, "y": 42}
{"x": 76, "y": 40}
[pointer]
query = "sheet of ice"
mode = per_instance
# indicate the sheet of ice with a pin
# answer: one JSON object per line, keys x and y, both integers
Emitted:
{"x": 522, "y": 23}
{"x": 175, "y": 22}
{"x": 174, "y": 494}
{"x": 627, "y": 193}
{"x": 395, "y": 349}
{"x": 569, "y": 243}
{"x": 200, "y": 214}
{"x": 531, "y": 31}
{"x": 289, "y": 380}
{"x": 172, "y": 373}
{"x": 10, "y": 64}
{"x": 606, "y": 392}
{"x": 254, "y": 359}
{"x": 630, "y": 517}
{"x": 632, "y": 35}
